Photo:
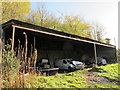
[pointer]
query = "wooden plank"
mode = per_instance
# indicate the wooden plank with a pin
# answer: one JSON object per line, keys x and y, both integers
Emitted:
{"x": 26, "y": 46}
{"x": 95, "y": 54}
{"x": 13, "y": 37}
{"x": 58, "y": 35}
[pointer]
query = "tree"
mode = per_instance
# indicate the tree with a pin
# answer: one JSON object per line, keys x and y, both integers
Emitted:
{"x": 43, "y": 18}
{"x": 74, "y": 25}
{"x": 15, "y": 10}
{"x": 107, "y": 40}
{"x": 98, "y": 32}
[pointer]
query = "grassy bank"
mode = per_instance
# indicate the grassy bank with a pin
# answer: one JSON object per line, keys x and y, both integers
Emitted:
{"x": 88, "y": 78}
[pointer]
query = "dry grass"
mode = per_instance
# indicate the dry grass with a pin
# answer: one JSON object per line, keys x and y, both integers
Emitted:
{"x": 16, "y": 64}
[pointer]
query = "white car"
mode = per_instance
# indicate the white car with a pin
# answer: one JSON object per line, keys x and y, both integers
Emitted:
{"x": 65, "y": 64}
{"x": 68, "y": 64}
{"x": 78, "y": 65}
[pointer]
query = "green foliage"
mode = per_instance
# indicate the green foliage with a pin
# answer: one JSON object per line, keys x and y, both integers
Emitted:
{"x": 10, "y": 62}
{"x": 61, "y": 81}
{"x": 77, "y": 79}
{"x": 43, "y": 18}
{"x": 107, "y": 40}
{"x": 111, "y": 71}
{"x": 74, "y": 25}
{"x": 69, "y": 24}
{"x": 10, "y": 67}
{"x": 15, "y": 10}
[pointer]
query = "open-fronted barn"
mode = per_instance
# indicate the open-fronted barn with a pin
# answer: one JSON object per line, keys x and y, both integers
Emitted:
{"x": 52, "y": 44}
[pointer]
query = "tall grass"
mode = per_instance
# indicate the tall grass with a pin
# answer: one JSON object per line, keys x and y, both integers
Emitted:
{"x": 16, "y": 64}
{"x": 10, "y": 67}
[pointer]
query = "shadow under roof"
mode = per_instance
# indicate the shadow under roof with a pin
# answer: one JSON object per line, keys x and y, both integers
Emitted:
{"x": 39, "y": 29}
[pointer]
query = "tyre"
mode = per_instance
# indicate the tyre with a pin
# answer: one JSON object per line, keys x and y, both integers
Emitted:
{"x": 69, "y": 69}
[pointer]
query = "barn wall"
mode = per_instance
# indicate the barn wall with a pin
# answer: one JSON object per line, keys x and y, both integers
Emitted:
{"x": 108, "y": 53}
{"x": 53, "y": 55}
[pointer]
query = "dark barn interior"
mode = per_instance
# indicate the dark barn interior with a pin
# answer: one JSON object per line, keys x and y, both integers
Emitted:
{"x": 53, "y": 47}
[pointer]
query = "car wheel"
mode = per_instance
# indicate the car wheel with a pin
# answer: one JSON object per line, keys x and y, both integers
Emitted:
{"x": 69, "y": 69}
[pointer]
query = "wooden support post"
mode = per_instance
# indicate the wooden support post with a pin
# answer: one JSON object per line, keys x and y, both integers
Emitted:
{"x": 13, "y": 37}
{"x": 26, "y": 47}
{"x": 1, "y": 45}
{"x": 0, "y": 62}
{"x": 116, "y": 54}
{"x": 95, "y": 53}
{"x": 34, "y": 42}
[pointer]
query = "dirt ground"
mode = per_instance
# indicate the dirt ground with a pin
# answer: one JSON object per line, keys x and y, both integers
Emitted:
{"x": 93, "y": 78}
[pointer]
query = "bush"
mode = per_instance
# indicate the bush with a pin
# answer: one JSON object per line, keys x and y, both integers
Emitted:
{"x": 10, "y": 66}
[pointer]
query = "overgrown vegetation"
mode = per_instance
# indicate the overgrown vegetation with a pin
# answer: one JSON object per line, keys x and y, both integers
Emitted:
{"x": 10, "y": 67}
{"x": 78, "y": 79}
{"x": 14, "y": 10}
{"x": 110, "y": 71}
{"x": 14, "y": 66}
{"x": 14, "y": 78}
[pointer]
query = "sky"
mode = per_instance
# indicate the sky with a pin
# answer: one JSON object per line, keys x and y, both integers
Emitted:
{"x": 104, "y": 12}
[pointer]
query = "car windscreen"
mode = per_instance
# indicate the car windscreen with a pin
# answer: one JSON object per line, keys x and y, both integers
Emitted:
{"x": 70, "y": 61}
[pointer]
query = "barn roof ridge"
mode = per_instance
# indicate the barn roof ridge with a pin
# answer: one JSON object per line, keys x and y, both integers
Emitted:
{"x": 40, "y": 28}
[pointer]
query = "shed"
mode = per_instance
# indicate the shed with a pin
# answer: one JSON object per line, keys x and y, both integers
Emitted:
{"x": 53, "y": 44}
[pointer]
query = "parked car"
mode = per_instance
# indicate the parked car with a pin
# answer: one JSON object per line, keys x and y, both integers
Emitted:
{"x": 78, "y": 65}
{"x": 68, "y": 64}
{"x": 101, "y": 61}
